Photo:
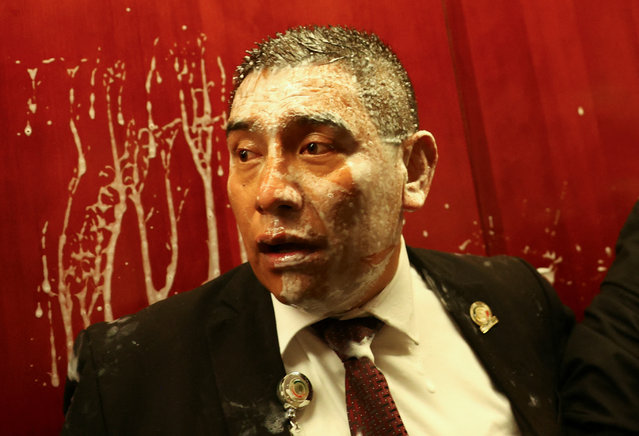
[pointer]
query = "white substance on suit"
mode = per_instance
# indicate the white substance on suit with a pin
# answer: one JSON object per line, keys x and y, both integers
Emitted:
{"x": 361, "y": 349}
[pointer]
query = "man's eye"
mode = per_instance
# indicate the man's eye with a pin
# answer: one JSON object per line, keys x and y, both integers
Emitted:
{"x": 315, "y": 148}
{"x": 245, "y": 155}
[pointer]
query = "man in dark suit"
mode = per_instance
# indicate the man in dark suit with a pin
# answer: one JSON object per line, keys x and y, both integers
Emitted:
{"x": 326, "y": 156}
{"x": 600, "y": 387}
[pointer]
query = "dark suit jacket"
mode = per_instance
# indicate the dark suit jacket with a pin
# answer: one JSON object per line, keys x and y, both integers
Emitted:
{"x": 601, "y": 368}
{"x": 207, "y": 361}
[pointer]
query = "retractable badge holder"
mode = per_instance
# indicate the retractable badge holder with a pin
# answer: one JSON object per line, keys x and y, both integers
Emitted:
{"x": 295, "y": 392}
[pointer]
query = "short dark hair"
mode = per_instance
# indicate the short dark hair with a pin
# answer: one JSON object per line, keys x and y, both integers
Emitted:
{"x": 385, "y": 89}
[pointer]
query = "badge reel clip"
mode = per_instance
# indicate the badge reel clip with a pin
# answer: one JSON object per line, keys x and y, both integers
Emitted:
{"x": 295, "y": 392}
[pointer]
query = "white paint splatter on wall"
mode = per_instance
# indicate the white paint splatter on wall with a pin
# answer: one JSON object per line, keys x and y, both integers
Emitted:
{"x": 198, "y": 121}
{"x": 79, "y": 260}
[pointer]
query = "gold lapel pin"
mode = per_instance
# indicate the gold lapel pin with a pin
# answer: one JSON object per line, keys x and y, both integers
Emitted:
{"x": 481, "y": 315}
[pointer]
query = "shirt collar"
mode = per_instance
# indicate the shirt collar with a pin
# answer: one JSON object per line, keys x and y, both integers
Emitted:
{"x": 394, "y": 305}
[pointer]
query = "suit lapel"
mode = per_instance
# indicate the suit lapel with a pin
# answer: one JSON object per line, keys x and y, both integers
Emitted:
{"x": 507, "y": 351}
{"x": 245, "y": 357}
{"x": 247, "y": 364}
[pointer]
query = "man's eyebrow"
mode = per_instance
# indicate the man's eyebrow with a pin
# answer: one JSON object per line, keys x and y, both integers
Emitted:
{"x": 324, "y": 119}
{"x": 238, "y": 125}
{"x": 318, "y": 120}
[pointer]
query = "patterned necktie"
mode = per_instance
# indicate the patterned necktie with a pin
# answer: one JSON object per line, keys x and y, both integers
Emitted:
{"x": 371, "y": 409}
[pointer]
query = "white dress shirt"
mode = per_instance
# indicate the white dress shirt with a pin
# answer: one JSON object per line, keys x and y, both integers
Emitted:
{"x": 437, "y": 382}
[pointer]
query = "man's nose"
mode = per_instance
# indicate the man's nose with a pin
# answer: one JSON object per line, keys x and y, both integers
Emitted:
{"x": 278, "y": 191}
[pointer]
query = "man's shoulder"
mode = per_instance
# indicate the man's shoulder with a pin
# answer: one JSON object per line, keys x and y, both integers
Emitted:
{"x": 187, "y": 347}
{"x": 508, "y": 284}
{"x": 234, "y": 291}
{"x": 471, "y": 268}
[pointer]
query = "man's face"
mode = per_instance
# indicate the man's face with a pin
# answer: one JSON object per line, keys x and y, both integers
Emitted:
{"x": 316, "y": 193}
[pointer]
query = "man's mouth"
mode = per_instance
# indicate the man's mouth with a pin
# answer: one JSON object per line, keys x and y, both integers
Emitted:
{"x": 286, "y": 247}
{"x": 286, "y": 251}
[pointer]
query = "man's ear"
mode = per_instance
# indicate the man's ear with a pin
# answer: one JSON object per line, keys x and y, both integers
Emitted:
{"x": 420, "y": 158}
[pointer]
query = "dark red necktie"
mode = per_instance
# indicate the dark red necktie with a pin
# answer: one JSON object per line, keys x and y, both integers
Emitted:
{"x": 371, "y": 409}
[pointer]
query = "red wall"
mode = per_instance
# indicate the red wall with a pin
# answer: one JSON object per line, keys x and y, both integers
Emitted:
{"x": 533, "y": 105}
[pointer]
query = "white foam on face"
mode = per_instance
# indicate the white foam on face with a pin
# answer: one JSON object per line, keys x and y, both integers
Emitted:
{"x": 356, "y": 205}
{"x": 277, "y": 185}
{"x": 362, "y": 220}
{"x": 333, "y": 295}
